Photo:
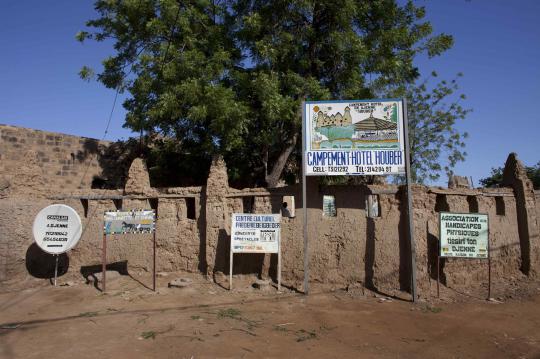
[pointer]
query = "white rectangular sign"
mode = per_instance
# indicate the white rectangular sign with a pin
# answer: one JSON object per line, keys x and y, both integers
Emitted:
{"x": 464, "y": 235}
{"x": 255, "y": 233}
{"x": 356, "y": 137}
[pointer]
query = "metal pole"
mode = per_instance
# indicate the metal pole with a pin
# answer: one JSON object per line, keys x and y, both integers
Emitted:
{"x": 438, "y": 266}
{"x": 489, "y": 266}
{"x": 56, "y": 269}
{"x": 409, "y": 200}
{"x": 104, "y": 261}
{"x": 304, "y": 200}
{"x": 279, "y": 266}
{"x": 230, "y": 267}
{"x": 154, "y": 263}
{"x": 489, "y": 278}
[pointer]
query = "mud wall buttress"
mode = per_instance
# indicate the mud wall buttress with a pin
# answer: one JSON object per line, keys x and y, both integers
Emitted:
{"x": 193, "y": 226}
{"x": 515, "y": 176}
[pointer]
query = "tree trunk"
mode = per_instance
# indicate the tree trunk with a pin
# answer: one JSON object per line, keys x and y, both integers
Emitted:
{"x": 273, "y": 177}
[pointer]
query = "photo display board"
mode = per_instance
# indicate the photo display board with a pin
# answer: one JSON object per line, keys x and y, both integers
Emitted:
{"x": 122, "y": 222}
{"x": 464, "y": 235}
{"x": 255, "y": 233}
{"x": 356, "y": 137}
{"x": 57, "y": 228}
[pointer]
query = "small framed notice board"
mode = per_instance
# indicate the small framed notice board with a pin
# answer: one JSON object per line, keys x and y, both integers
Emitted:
{"x": 255, "y": 233}
{"x": 464, "y": 235}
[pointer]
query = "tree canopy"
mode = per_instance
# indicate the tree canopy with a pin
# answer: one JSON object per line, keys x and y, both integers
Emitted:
{"x": 228, "y": 77}
{"x": 496, "y": 176}
{"x": 436, "y": 144}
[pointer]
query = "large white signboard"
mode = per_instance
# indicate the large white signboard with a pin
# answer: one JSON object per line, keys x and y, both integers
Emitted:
{"x": 354, "y": 137}
{"x": 57, "y": 228}
{"x": 464, "y": 235}
{"x": 255, "y": 233}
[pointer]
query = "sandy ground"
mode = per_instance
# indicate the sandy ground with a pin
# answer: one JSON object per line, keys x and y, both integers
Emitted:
{"x": 204, "y": 320}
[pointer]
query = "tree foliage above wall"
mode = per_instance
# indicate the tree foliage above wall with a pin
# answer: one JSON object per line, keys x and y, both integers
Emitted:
{"x": 496, "y": 177}
{"x": 228, "y": 77}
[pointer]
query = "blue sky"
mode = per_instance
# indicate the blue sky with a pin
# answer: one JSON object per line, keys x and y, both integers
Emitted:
{"x": 497, "y": 47}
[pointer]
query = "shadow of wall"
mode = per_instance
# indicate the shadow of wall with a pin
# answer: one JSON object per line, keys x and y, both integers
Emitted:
{"x": 114, "y": 161}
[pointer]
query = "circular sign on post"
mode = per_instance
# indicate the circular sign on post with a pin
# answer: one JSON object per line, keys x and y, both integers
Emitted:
{"x": 57, "y": 228}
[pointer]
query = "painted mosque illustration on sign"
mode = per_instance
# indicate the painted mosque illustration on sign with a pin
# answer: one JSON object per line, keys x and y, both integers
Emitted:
{"x": 362, "y": 125}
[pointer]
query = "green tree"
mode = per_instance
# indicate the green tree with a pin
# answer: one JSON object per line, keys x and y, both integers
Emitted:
{"x": 229, "y": 76}
{"x": 435, "y": 142}
{"x": 496, "y": 177}
{"x": 173, "y": 57}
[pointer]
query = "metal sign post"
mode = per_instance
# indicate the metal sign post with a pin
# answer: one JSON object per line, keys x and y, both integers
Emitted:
{"x": 104, "y": 262}
{"x": 255, "y": 233}
{"x": 154, "y": 263}
{"x": 438, "y": 273}
{"x": 465, "y": 235}
{"x": 231, "y": 257}
{"x": 356, "y": 137}
{"x": 304, "y": 204}
{"x": 279, "y": 267}
{"x": 489, "y": 269}
{"x": 123, "y": 222}
{"x": 409, "y": 201}
{"x": 57, "y": 229}
{"x": 56, "y": 269}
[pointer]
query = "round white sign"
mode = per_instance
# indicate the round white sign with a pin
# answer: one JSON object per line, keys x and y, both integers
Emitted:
{"x": 57, "y": 228}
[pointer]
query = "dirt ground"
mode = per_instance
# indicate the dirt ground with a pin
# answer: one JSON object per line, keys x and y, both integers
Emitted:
{"x": 204, "y": 320}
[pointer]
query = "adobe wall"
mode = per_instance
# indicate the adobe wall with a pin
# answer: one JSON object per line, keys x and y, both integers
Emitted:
{"x": 193, "y": 231}
{"x": 67, "y": 162}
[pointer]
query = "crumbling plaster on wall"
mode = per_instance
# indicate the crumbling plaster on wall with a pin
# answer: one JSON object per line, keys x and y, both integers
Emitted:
{"x": 349, "y": 248}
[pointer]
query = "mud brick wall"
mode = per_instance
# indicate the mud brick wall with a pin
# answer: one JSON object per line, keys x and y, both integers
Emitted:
{"x": 67, "y": 162}
{"x": 193, "y": 224}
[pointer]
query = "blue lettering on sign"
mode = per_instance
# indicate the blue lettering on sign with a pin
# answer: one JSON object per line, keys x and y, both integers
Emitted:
{"x": 332, "y": 158}
{"x": 355, "y": 158}
{"x": 388, "y": 158}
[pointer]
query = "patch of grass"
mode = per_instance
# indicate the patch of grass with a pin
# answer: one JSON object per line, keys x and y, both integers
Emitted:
{"x": 431, "y": 309}
{"x": 280, "y": 328}
{"x": 143, "y": 319}
{"x": 233, "y": 313}
{"x": 228, "y": 313}
{"x": 88, "y": 314}
{"x": 325, "y": 328}
{"x": 303, "y": 335}
{"x": 195, "y": 317}
{"x": 149, "y": 335}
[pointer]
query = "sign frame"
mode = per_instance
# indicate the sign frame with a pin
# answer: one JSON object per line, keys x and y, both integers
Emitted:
{"x": 407, "y": 173}
{"x": 467, "y": 258}
{"x": 104, "y": 245}
{"x": 232, "y": 252}
{"x": 324, "y": 133}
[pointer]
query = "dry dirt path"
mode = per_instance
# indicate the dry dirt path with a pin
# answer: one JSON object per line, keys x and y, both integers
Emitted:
{"x": 206, "y": 321}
